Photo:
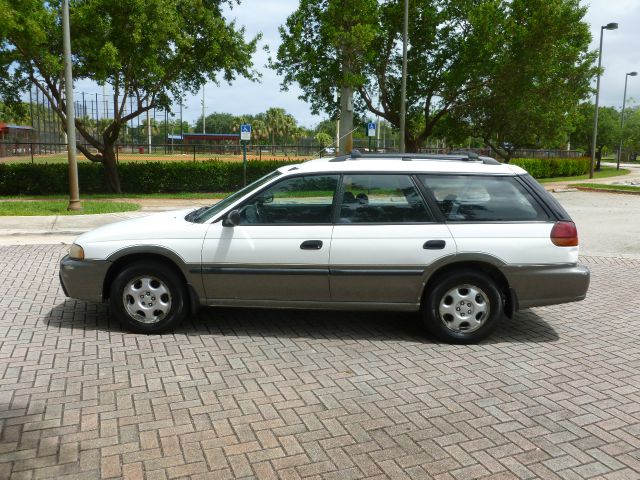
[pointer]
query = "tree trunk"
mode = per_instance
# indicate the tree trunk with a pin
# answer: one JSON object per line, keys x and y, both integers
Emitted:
{"x": 598, "y": 158}
{"x": 111, "y": 169}
{"x": 411, "y": 143}
{"x": 345, "y": 144}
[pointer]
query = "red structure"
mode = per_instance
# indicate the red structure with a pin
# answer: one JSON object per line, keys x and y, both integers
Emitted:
{"x": 13, "y": 139}
{"x": 211, "y": 139}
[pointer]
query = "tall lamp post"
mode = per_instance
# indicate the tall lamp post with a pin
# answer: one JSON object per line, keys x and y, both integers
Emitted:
{"x": 608, "y": 26}
{"x": 624, "y": 104}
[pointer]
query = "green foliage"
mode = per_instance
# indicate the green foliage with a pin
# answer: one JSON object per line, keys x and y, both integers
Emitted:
{"x": 137, "y": 177}
{"x": 510, "y": 72}
{"x": 207, "y": 176}
{"x": 325, "y": 46}
{"x": 17, "y": 113}
{"x": 553, "y": 167}
{"x": 608, "y": 128}
{"x": 543, "y": 70}
{"x": 147, "y": 50}
{"x": 217, "y": 122}
{"x": 323, "y": 139}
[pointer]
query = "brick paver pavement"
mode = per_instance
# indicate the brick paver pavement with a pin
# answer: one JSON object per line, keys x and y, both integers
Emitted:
{"x": 555, "y": 393}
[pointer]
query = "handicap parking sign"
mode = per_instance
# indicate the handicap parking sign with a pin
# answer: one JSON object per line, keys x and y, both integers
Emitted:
{"x": 245, "y": 131}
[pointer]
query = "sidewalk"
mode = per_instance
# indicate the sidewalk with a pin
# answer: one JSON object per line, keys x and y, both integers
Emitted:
{"x": 64, "y": 228}
{"x": 634, "y": 175}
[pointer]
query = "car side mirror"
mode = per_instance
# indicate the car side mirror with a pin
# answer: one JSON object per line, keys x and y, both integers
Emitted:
{"x": 232, "y": 219}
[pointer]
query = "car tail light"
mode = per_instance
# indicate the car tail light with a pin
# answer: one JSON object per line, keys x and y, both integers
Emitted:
{"x": 564, "y": 234}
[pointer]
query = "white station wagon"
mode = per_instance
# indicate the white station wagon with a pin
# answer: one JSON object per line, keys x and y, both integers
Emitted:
{"x": 461, "y": 238}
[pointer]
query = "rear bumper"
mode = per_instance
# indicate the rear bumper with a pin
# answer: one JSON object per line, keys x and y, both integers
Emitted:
{"x": 538, "y": 285}
{"x": 83, "y": 279}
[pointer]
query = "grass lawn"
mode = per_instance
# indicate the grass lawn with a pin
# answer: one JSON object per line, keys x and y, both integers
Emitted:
{"x": 100, "y": 196}
{"x": 600, "y": 186}
{"x": 59, "y": 207}
{"x": 605, "y": 172}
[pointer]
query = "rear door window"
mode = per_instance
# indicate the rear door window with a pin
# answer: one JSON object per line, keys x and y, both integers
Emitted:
{"x": 382, "y": 199}
{"x": 475, "y": 198}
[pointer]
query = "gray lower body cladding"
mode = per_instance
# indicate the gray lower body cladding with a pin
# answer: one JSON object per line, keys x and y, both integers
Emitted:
{"x": 83, "y": 279}
{"x": 538, "y": 285}
{"x": 533, "y": 285}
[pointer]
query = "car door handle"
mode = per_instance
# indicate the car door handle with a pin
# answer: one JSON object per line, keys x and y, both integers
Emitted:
{"x": 311, "y": 245}
{"x": 434, "y": 244}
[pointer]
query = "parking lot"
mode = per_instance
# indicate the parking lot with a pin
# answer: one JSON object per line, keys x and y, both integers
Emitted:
{"x": 555, "y": 393}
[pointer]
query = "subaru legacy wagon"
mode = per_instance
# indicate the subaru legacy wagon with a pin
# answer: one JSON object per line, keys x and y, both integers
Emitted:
{"x": 462, "y": 239}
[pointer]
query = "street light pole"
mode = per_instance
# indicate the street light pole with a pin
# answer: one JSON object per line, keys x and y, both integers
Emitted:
{"x": 74, "y": 190}
{"x": 403, "y": 95}
{"x": 608, "y": 26}
{"x": 624, "y": 104}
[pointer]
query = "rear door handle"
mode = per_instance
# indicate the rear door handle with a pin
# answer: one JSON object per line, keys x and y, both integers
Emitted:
{"x": 311, "y": 245}
{"x": 434, "y": 244}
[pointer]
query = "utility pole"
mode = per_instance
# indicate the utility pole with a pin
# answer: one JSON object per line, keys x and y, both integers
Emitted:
{"x": 403, "y": 100}
{"x": 74, "y": 189}
{"x": 204, "y": 119}
{"x": 148, "y": 133}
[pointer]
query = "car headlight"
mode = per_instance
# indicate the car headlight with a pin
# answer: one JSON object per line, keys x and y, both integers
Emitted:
{"x": 76, "y": 252}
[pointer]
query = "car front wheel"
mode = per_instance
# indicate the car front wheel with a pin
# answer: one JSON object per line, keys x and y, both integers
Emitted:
{"x": 148, "y": 298}
{"x": 463, "y": 307}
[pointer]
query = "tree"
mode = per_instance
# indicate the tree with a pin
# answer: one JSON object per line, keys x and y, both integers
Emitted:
{"x": 15, "y": 113}
{"x": 631, "y": 132}
{"x": 323, "y": 139}
{"x": 608, "y": 129}
{"x": 541, "y": 73}
{"x": 460, "y": 55}
{"x": 325, "y": 47}
{"x": 217, "y": 122}
{"x": 146, "y": 50}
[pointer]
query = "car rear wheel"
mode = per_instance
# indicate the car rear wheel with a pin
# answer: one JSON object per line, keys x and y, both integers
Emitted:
{"x": 463, "y": 307}
{"x": 148, "y": 298}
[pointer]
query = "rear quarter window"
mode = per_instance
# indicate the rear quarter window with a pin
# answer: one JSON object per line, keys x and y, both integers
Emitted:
{"x": 476, "y": 198}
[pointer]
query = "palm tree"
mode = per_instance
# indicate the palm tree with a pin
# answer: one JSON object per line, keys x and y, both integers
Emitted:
{"x": 275, "y": 119}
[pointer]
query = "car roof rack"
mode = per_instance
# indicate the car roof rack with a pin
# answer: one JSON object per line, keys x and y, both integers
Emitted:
{"x": 409, "y": 157}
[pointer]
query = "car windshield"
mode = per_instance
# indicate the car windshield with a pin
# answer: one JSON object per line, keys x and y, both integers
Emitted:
{"x": 203, "y": 214}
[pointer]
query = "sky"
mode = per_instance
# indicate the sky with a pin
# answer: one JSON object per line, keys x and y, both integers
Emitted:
{"x": 621, "y": 54}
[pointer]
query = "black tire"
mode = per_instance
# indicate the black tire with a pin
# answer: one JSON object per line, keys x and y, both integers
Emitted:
{"x": 485, "y": 306}
{"x": 161, "y": 288}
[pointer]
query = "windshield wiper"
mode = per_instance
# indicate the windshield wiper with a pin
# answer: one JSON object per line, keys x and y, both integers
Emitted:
{"x": 193, "y": 216}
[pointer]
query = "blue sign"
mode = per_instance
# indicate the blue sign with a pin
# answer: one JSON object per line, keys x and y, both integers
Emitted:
{"x": 245, "y": 131}
{"x": 371, "y": 129}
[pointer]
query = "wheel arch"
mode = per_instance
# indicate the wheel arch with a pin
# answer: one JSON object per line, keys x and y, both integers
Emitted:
{"x": 157, "y": 255}
{"x": 488, "y": 265}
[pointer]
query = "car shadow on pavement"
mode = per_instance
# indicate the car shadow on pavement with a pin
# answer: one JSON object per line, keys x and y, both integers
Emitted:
{"x": 526, "y": 326}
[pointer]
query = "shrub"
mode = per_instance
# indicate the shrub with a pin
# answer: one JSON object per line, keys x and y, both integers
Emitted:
{"x": 206, "y": 176}
{"x": 135, "y": 177}
{"x": 553, "y": 167}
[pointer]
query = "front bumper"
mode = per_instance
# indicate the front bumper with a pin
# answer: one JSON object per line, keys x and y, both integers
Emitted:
{"x": 83, "y": 279}
{"x": 538, "y": 285}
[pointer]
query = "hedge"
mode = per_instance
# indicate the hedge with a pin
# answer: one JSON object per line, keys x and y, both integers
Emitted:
{"x": 553, "y": 167}
{"x": 206, "y": 176}
{"x": 135, "y": 177}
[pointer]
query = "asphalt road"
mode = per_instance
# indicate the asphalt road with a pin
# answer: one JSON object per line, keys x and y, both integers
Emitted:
{"x": 608, "y": 223}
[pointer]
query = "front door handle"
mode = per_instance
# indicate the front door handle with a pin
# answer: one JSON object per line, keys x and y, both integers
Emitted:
{"x": 311, "y": 245}
{"x": 434, "y": 244}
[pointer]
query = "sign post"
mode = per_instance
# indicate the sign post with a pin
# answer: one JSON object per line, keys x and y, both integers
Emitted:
{"x": 245, "y": 136}
{"x": 371, "y": 132}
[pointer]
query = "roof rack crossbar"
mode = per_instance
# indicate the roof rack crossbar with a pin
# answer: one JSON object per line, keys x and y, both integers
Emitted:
{"x": 407, "y": 157}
